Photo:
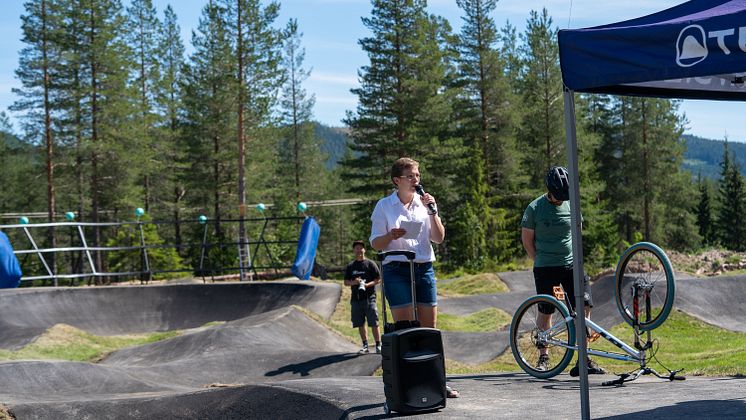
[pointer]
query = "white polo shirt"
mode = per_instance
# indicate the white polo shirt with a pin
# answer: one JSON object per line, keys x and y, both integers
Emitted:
{"x": 389, "y": 213}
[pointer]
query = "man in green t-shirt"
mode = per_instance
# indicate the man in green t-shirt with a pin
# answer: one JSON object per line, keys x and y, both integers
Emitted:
{"x": 547, "y": 237}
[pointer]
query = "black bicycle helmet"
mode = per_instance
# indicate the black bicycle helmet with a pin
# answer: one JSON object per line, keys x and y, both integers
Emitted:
{"x": 558, "y": 183}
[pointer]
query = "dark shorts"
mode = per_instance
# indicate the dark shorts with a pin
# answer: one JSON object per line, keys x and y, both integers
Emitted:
{"x": 546, "y": 278}
{"x": 398, "y": 286}
{"x": 362, "y": 309}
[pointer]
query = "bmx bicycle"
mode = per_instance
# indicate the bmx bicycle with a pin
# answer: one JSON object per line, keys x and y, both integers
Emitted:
{"x": 644, "y": 294}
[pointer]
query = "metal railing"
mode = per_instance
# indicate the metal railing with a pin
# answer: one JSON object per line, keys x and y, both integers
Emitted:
{"x": 86, "y": 261}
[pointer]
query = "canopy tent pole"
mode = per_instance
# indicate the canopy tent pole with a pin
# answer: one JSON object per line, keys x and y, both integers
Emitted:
{"x": 577, "y": 251}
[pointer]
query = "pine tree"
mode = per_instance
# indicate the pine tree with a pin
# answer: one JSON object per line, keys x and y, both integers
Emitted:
{"x": 209, "y": 86}
{"x": 731, "y": 216}
{"x": 37, "y": 71}
{"x": 258, "y": 76}
{"x": 299, "y": 150}
{"x": 641, "y": 156}
{"x": 601, "y": 239}
{"x": 22, "y": 189}
{"x": 485, "y": 118}
{"x": 397, "y": 97}
{"x": 112, "y": 152}
{"x": 541, "y": 130}
{"x": 169, "y": 103}
{"x": 74, "y": 118}
{"x": 704, "y": 212}
{"x": 404, "y": 107}
{"x": 143, "y": 30}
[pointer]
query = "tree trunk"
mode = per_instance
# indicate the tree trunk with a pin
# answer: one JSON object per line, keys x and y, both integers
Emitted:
{"x": 94, "y": 141}
{"x": 48, "y": 140}
{"x": 646, "y": 174}
{"x": 241, "y": 140}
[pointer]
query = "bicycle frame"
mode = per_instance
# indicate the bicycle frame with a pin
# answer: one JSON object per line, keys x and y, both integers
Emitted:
{"x": 631, "y": 356}
{"x": 636, "y": 354}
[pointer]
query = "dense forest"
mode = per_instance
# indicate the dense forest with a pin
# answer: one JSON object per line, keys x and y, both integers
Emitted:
{"x": 115, "y": 115}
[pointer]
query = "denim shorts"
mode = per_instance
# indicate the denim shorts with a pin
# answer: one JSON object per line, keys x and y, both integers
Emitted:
{"x": 398, "y": 287}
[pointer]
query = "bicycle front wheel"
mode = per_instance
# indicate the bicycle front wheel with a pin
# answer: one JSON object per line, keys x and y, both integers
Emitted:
{"x": 645, "y": 266}
{"x": 542, "y": 325}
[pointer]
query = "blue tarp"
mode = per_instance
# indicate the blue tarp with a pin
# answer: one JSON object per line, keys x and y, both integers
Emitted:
{"x": 307, "y": 243}
{"x": 10, "y": 270}
{"x": 693, "y": 50}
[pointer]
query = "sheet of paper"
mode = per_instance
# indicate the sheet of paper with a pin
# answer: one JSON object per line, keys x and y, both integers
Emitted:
{"x": 413, "y": 229}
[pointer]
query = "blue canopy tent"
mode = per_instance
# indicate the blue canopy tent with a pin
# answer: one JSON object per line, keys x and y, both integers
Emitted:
{"x": 696, "y": 50}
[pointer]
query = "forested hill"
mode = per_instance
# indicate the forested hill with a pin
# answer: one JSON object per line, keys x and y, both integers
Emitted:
{"x": 333, "y": 143}
{"x": 701, "y": 156}
{"x": 704, "y": 156}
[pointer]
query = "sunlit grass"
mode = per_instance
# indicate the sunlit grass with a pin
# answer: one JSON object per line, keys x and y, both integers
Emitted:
{"x": 473, "y": 284}
{"x": 685, "y": 342}
{"x": 486, "y": 320}
{"x": 63, "y": 342}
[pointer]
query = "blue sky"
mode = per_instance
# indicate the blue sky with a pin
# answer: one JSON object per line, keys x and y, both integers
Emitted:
{"x": 331, "y": 29}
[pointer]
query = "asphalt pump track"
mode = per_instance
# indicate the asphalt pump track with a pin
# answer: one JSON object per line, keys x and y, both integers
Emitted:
{"x": 270, "y": 358}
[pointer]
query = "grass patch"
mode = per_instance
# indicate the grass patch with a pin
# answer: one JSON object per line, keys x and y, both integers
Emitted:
{"x": 341, "y": 322}
{"x": 688, "y": 343}
{"x": 474, "y": 284}
{"x": 486, "y": 320}
{"x": 502, "y": 363}
{"x": 685, "y": 342}
{"x": 64, "y": 342}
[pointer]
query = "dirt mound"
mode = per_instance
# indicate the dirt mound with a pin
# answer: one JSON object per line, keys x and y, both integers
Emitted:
{"x": 712, "y": 262}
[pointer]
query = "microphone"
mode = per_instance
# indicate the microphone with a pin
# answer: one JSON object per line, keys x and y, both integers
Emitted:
{"x": 421, "y": 191}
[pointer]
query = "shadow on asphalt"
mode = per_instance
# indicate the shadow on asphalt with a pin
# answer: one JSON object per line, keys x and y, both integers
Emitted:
{"x": 305, "y": 368}
{"x": 349, "y": 413}
{"x": 704, "y": 409}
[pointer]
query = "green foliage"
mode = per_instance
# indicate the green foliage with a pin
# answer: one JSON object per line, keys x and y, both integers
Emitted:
{"x": 20, "y": 163}
{"x": 134, "y": 260}
{"x": 484, "y": 110}
{"x": 300, "y": 168}
{"x": 135, "y": 124}
{"x": 541, "y": 131}
{"x": 400, "y": 112}
{"x": 703, "y": 156}
{"x": 732, "y": 207}
{"x": 334, "y": 143}
{"x": 704, "y": 211}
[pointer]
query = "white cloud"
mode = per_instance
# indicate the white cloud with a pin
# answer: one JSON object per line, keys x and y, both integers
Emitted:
{"x": 341, "y": 100}
{"x": 340, "y": 79}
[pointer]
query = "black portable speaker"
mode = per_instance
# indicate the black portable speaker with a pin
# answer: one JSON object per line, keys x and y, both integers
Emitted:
{"x": 413, "y": 361}
{"x": 414, "y": 372}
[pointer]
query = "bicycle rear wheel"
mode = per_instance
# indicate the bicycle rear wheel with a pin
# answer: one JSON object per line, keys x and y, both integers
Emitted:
{"x": 527, "y": 338}
{"x": 646, "y": 265}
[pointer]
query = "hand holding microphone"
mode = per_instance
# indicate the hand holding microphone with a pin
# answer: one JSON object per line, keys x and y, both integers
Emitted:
{"x": 427, "y": 199}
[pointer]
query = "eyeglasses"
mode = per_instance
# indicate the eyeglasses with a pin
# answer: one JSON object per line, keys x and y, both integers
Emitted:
{"x": 410, "y": 177}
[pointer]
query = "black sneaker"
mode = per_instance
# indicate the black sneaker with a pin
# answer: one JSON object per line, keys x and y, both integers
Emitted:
{"x": 543, "y": 363}
{"x": 593, "y": 369}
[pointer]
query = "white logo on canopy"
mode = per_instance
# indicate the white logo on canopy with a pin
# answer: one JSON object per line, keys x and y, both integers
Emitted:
{"x": 691, "y": 46}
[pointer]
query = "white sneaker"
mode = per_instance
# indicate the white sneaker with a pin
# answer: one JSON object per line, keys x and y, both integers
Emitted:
{"x": 364, "y": 350}
{"x": 378, "y": 349}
